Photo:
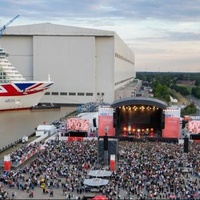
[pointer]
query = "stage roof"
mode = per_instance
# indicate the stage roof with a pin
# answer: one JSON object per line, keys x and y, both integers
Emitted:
{"x": 139, "y": 101}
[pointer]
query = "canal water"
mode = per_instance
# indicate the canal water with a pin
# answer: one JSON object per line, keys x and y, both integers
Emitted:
{"x": 16, "y": 124}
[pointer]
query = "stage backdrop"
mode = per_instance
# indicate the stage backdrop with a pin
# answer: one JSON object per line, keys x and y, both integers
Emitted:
{"x": 172, "y": 123}
{"x": 105, "y": 121}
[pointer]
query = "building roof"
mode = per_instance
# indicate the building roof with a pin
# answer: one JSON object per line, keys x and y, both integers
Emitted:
{"x": 45, "y": 127}
{"x": 139, "y": 101}
{"x": 55, "y": 29}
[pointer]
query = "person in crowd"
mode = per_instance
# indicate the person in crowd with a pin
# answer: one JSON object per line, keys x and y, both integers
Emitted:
{"x": 147, "y": 170}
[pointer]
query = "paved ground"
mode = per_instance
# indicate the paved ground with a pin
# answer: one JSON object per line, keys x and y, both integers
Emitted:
{"x": 38, "y": 194}
{"x": 58, "y": 194}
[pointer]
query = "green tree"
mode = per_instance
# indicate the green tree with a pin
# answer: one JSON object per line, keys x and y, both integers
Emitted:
{"x": 161, "y": 91}
{"x": 189, "y": 110}
{"x": 196, "y": 92}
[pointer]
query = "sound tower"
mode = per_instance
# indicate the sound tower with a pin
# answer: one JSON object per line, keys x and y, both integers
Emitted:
{"x": 105, "y": 148}
{"x": 114, "y": 119}
{"x": 195, "y": 136}
{"x": 112, "y": 149}
{"x": 163, "y": 121}
{"x": 105, "y": 142}
{"x": 186, "y": 144}
{"x": 94, "y": 122}
{"x": 184, "y": 124}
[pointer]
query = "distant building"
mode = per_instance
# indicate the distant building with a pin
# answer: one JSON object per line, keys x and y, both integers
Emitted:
{"x": 131, "y": 89}
{"x": 187, "y": 79}
{"x": 86, "y": 65}
{"x": 186, "y": 82}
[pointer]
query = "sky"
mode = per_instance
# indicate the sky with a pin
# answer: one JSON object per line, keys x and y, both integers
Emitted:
{"x": 163, "y": 34}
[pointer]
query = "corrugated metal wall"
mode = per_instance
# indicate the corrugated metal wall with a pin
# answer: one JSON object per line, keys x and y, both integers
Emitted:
{"x": 89, "y": 66}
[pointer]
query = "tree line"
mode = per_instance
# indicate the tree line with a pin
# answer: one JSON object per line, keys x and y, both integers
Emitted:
{"x": 162, "y": 83}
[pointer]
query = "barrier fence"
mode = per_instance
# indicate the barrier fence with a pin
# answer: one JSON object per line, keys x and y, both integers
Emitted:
{"x": 24, "y": 158}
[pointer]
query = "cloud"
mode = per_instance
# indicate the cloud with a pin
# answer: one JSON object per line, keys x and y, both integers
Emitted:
{"x": 159, "y": 32}
{"x": 134, "y": 9}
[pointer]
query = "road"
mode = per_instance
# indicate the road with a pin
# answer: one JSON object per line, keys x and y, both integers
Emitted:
{"x": 196, "y": 101}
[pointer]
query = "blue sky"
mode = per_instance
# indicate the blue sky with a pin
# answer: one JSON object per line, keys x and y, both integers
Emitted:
{"x": 163, "y": 34}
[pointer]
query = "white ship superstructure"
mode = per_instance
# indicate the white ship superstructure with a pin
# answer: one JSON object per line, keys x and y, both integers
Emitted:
{"x": 15, "y": 91}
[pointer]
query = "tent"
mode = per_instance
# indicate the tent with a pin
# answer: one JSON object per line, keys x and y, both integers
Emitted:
{"x": 95, "y": 182}
{"x": 100, "y": 173}
{"x": 99, "y": 197}
{"x": 42, "y": 129}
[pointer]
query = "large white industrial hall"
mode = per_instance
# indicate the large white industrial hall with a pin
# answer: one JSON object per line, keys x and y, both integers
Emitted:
{"x": 86, "y": 65}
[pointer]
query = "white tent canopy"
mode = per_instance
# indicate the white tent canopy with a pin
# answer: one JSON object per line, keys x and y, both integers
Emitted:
{"x": 95, "y": 182}
{"x": 100, "y": 173}
{"x": 42, "y": 129}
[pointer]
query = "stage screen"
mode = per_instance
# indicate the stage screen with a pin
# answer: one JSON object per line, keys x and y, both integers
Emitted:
{"x": 76, "y": 124}
{"x": 105, "y": 121}
{"x": 194, "y": 127}
{"x": 172, "y": 127}
{"x": 172, "y": 123}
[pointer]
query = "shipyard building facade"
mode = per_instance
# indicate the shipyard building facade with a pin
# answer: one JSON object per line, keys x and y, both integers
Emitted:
{"x": 86, "y": 65}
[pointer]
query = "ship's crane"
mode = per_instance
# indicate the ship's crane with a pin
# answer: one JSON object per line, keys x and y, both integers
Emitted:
{"x": 6, "y": 25}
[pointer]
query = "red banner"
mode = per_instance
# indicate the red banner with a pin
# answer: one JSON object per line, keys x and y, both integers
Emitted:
{"x": 172, "y": 128}
{"x": 172, "y": 123}
{"x": 105, "y": 121}
{"x": 73, "y": 139}
{"x": 7, "y": 163}
{"x": 112, "y": 162}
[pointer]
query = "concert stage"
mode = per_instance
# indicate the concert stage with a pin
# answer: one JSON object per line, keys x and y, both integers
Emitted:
{"x": 139, "y": 117}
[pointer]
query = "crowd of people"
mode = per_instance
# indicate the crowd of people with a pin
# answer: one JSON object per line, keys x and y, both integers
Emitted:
{"x": 21, "y": 153}
{"x": 160, "y": 170}
{"x": 144, "y": 170}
